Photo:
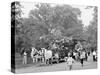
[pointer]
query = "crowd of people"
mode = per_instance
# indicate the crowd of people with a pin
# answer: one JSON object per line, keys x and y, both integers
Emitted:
{"x": 78, "y": 54}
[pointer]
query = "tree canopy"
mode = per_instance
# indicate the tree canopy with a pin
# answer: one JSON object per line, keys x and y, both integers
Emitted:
{"x": 50, "y": 22}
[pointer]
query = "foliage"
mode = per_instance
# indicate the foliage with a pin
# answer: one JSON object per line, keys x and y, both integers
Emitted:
{"x": 49, "y": 22}
{"x": 92, "y": 28}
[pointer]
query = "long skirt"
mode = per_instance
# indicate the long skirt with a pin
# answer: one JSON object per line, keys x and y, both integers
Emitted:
{"x": 24, "y": 59}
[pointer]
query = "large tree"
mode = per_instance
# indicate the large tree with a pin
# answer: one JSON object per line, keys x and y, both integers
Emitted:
{"x": 58, "y": 18}
{"x": 50, "y": 22}
{"x": 90, "y": 34}
{"x": 92, "y": 29}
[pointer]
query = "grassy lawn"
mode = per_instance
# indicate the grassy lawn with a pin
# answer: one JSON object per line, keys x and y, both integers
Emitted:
{"x": 18, "y": 61}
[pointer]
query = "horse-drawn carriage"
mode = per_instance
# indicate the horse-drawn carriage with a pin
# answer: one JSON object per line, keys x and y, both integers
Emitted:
{"x": 56, "y": 51}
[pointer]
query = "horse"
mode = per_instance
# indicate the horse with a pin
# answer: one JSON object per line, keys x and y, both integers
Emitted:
{"x": 47, "y": 55}
{"x": 33, "y": 54}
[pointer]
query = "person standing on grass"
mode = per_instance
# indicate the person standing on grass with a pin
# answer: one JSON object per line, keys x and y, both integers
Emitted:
{"x": 82, "y": 56}
{"x": 70, "y": 62}
{"x": 86, "y": 56}
{"x": 94, "y": 55}
{"x": 74, "y": 55}
{"x": 24, "y": 57}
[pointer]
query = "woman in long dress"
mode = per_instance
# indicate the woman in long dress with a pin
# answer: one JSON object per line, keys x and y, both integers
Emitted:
{"x": 24, "y": 57}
